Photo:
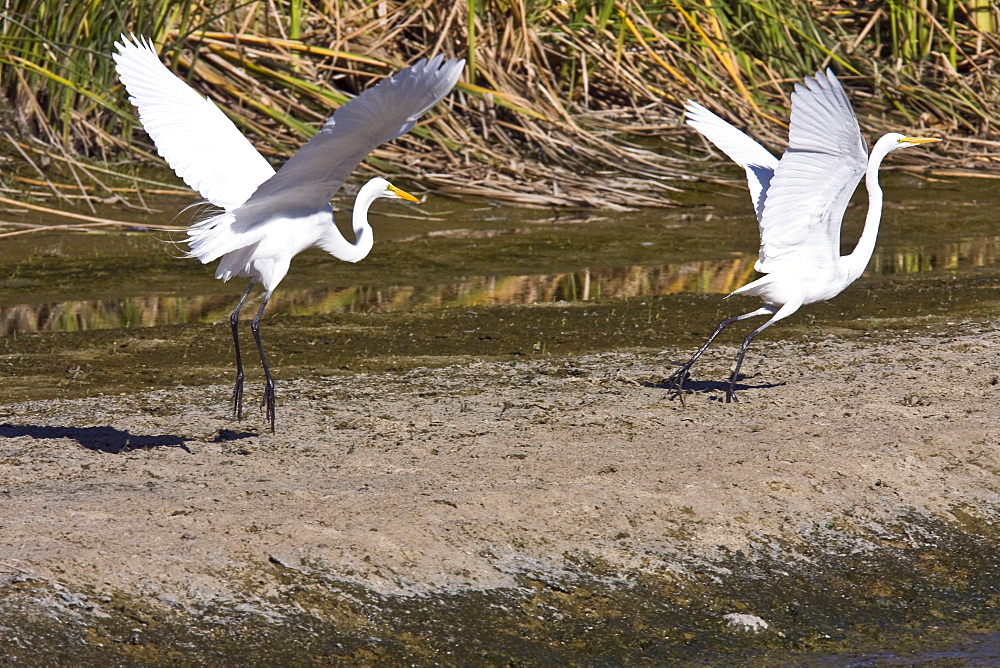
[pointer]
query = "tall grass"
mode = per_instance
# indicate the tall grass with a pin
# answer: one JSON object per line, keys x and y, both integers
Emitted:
{"x": 559, "y": 100}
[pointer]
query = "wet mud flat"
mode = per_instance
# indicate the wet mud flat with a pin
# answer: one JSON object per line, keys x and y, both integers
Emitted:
{"x": 477, "y": 461}
{"x": 555, "y": 507}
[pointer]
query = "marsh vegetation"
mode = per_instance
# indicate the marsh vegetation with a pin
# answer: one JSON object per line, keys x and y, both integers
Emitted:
{"x": 570, "y": 103}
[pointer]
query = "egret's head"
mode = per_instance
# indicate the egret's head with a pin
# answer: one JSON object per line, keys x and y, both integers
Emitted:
{"x": 393, "y": 191}
{"x": 382, "y": 188}
{"x": 895, "y": 140}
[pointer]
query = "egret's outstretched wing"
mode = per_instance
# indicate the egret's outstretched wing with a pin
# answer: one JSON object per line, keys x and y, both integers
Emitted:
{"x": 388, "y": 110}
{"x": 196, "y": 139}
{"x": 741, "y": 149}
{"x": 816, "y": 176}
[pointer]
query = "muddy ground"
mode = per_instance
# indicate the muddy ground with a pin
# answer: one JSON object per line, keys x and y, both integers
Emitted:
{"x": 554, "y": 508}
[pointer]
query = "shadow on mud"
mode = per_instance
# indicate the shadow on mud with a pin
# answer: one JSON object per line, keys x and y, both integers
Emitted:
{"x": 716, "y": 387}
{"x": 101, "y": 439}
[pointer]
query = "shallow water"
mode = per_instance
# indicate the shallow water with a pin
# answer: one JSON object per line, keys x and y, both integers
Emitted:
{"x": 445, "y": 255}
{"x": 120, "y": 312}
{"x": 981, "y": 650}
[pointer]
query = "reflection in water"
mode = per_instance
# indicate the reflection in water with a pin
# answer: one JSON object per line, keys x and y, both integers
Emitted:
{"x": 720, "y": 276}
{"x": 107, "y": 314}
{"x": 961, "y": 254}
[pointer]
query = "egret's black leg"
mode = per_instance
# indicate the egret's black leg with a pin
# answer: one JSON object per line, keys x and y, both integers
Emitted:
{"x": 676, "y": 380}
{"x": 234, "y": 319}
{"x": 731, "y": 392}
{"x": 268, "y": 401}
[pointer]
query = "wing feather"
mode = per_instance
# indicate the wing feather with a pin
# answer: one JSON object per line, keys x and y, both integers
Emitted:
{"x": 815, "y": 179}
{"x": 384, "y": 112}
{"x": 191, "y": 133}
{"x": 741, "y": 149}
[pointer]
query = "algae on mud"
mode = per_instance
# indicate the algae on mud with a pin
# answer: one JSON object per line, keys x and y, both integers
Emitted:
{"x": 75, "y": 364}
{"x": 832, "y": 604}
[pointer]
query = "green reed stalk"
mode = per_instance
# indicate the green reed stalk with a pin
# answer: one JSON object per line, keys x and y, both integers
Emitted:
{"x": 295, "y": 19}
{"x": 983, "y": 16}
{"x": 470, "y": 59}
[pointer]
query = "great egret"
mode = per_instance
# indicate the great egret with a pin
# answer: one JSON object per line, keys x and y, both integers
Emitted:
{"x": 267, "y": 218}
{"x": 800, "y": 201}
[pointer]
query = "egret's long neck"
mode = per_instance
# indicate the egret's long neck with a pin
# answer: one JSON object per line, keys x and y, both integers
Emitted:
{"x": 336, "y": 245}
{"x": 856, "y": 262}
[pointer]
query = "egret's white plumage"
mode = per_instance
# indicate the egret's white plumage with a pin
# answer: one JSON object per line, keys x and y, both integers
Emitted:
{"x": 268, "y": 217}
{"x": 191, "y": 133}
{"x": 800, "y": 202}
{"x": 745, "y": 152}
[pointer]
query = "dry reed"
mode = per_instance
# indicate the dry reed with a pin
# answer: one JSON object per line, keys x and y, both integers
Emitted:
{"x": 562, "y": 103}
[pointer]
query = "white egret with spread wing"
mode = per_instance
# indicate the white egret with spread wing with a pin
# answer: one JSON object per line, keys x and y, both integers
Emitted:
{"x": 268, "y": 217}
{"x": 800, "y": 201}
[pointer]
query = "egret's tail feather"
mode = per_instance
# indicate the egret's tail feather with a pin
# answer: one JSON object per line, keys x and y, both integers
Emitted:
{"x": 215, "y": 237}
{"x": 211, "y": 238}
{"x": 235, "y": 263}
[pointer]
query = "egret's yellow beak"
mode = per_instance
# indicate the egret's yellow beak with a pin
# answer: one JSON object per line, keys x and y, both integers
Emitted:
{"x": 918, "y": 140}
{"x": 402, "y": 194}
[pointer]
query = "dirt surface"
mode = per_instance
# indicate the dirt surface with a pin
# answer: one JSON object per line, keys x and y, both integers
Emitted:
{"x": 465, "y": 477}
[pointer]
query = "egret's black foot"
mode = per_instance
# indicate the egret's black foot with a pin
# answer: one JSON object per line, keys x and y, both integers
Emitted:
{"x": 676, "y": 382}
{"x": 267, "y": 404}
{"x": 238, "y": 398}
{"x": 731, "y": 397}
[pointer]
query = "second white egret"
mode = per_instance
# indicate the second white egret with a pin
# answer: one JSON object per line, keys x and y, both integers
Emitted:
{"x": 800, "y": 201}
